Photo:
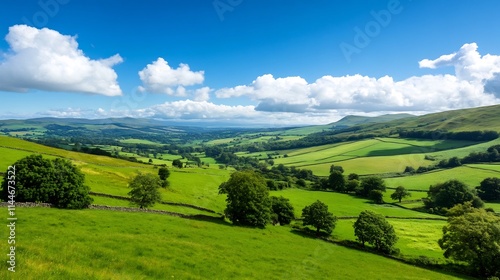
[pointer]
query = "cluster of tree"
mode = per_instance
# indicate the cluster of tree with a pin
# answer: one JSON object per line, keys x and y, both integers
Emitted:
{"x": 442, "y": 135}
{"x": 371, "y": 187}
{"x": 370, "y": 227}
{"x": 444, "y": 196}
{"x": 23, "y": 129}
{"x": 229, "y": 158}
{"x": 177, "y": 163}
{"x": 249, "y": 204}
{"x": 93, "y": 151}
{"x": 492, "y": 154}
{"x": 281, "y": 177}
{"x": 54, "y": 181}
{"x": 473, "y": 236}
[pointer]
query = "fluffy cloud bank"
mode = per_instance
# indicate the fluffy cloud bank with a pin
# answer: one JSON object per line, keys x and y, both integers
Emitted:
{"x": 475, "y": 83}
{"x": 159, "y": 77}
{"x": 44, "y": 59}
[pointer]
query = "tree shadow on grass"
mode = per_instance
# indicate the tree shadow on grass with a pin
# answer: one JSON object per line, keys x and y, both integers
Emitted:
{"x": 308, "y": 233}
{"x": 212, "y": 219}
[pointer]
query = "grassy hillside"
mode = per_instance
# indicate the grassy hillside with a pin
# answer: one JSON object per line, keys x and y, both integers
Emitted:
{"x": 357, "y": 120}
{"x": 481, "y": 118}
{"x": 347, "y": 121}
{"x": 195, "y": 186}
{"x": 94, "y": 244}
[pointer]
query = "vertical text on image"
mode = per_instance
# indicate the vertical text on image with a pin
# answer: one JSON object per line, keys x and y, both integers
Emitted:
{"x": 11, "y": 220}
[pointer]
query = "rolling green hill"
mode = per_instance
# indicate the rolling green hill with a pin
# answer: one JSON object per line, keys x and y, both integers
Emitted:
{"x": 96, "y": 244}
{"x": 152, "y": 246}
{"x": 353, "y": 120}
{"x": 480, "y": 118}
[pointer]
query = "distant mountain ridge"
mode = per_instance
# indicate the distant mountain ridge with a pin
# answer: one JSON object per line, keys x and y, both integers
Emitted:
{"x": 353, "y": 120}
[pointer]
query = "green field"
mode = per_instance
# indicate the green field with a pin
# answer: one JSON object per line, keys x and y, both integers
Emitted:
{"x": 471, "y": 175}
{"x": 190, "y": 249}
{"x": 415, "y": 237}
{"x": 94, "y": 244}
{"x": 373, "y": 156}
{"x": 342, "y": 204}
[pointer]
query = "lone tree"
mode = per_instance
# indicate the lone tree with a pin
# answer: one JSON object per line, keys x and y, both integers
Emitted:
{"x": 400, "y": 193}
{"x": 282, "y": 210}
{"x": 317, "y": 215}
{"x": 489, "y": 189}
{"x": 247, "y": 199}
{"x": 164, "y": 173}
{"x": 473, "y": 237}
{"x": 145, "y": 190}
{"x": 372, "y": 228}
{"x": 55, "y": 181}
{"x": 451, "y": 193}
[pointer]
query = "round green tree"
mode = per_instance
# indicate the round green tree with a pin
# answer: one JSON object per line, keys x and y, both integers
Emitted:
{"x": 400, "y": 193}
{"x": 317, "y": 215}
{"x": 473, "y": 237}
{"x": 282, "y": 210}
{"x": 145, "y": 190}
{"x": 56, "y": 181}
{"x": 163, "y": 173}
{"x": 372, "y": 228}
{"x": 247, "y": 199}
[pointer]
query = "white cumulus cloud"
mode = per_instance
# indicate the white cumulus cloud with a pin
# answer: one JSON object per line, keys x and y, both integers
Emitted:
{"x": 44, "y": 59}
{"x": 476, "y": 83}
{"x": 468, "y": 62}
{"x": 159, "y": 77}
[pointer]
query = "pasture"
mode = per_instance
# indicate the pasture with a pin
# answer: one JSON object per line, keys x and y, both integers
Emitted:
{"x": 471, "y": 175}
{"x": 96, "y": 244}
{"x": 343, "y": 204}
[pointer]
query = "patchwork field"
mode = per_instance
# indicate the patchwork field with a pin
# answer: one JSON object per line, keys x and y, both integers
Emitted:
{"x": 373, "y": 156}
{"x": 472, "y": 175}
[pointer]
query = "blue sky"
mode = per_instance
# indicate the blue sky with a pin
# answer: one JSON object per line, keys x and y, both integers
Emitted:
{"x": 265, "y": 62}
